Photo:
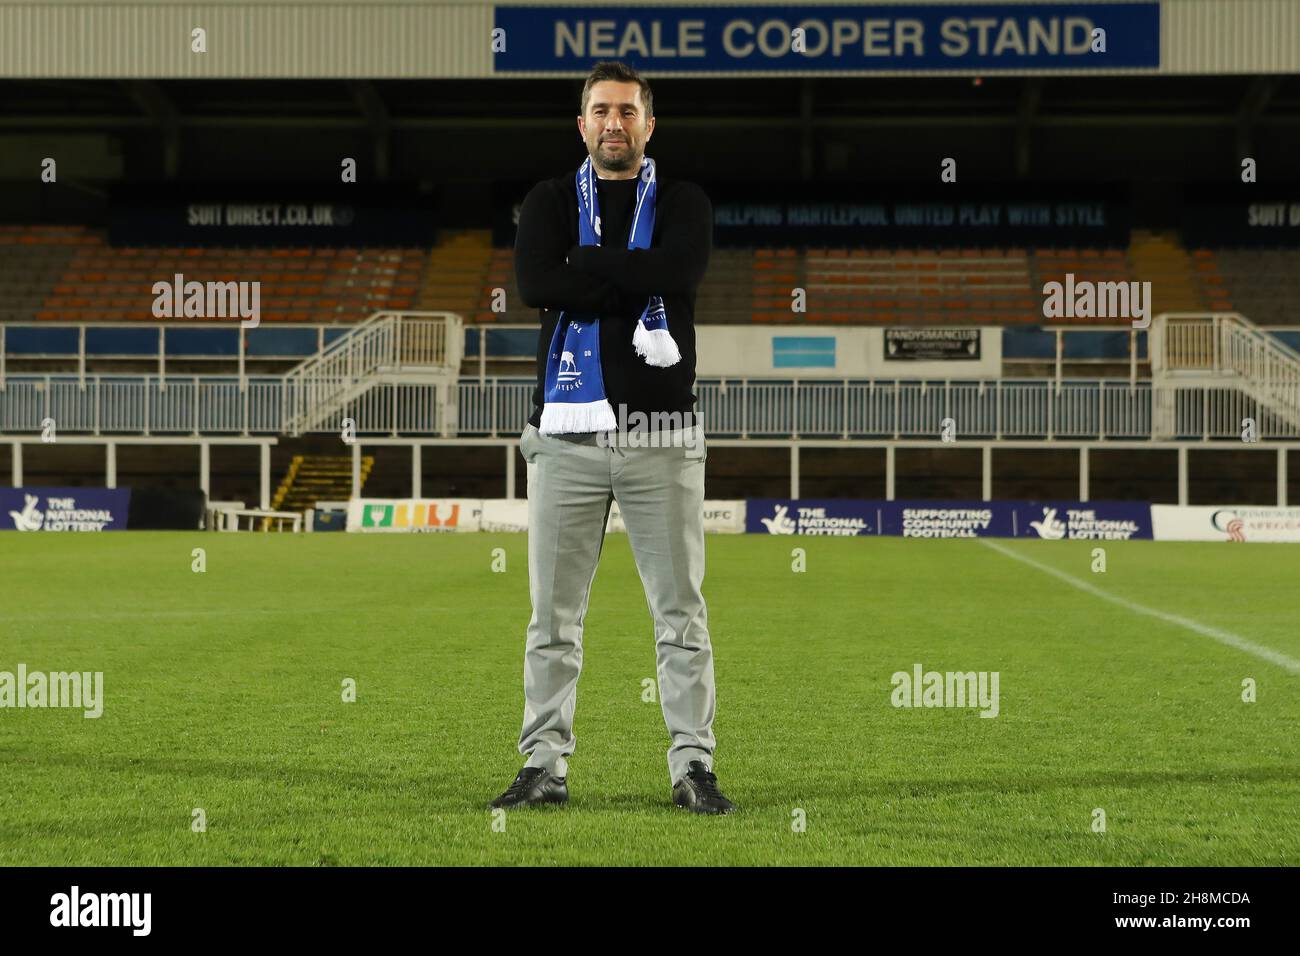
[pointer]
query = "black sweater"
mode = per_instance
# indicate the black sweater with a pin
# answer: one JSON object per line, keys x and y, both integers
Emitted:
{"x": 616, "y": 282}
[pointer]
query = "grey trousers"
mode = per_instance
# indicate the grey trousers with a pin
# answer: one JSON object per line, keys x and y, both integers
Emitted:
{"x": 572, "y": 481}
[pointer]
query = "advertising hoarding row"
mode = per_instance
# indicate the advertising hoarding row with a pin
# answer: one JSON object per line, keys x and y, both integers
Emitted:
{"x": 1043, "y": 520}
{"x": 396, "y": 515}
{"x": 1051, "y": 521}
{"x": 106, "y": 509}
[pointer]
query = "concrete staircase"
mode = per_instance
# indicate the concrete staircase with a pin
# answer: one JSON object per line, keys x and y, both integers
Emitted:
{"x": 456, "y": 277}
{"x": 1159, "y": 258}
{"x": 313, "y": 478}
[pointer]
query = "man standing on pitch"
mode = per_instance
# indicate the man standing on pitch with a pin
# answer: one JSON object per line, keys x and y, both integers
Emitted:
{"x": 612, "y": 258}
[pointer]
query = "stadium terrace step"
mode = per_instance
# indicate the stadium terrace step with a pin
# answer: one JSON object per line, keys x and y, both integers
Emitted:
{"x": 1159, "y": 258}
{"x": 313, "y": 478}
{"x": 457, "y": 273}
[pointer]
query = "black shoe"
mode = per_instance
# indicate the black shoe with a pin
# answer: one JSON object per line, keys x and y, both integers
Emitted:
{"x": 698, "y": 791}
{"x": 534, "y": 785}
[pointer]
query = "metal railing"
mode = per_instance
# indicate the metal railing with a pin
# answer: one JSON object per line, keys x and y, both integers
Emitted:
{"x": 1037, "y": 409}
{"x": 387, "y": 342}
{"x": 1191, "y": 348}
{"x": 237, "y": 340}
{"x": 1264, "y": 364}
{"x": 391, "y": 373}
{"x": 745, "y": 408}
{"x": 143, "y": 404}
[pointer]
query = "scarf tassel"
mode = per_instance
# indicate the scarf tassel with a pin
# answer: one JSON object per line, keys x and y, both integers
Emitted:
{"x": 560, "y": 418}
{"x": 656, "y": 346}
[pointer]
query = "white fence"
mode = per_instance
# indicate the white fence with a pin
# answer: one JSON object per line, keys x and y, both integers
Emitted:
{"x": 743, "y": 408}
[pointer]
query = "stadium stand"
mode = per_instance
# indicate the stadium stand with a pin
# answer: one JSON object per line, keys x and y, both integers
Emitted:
{"x": 72, "y": 274}
{"x": 1262, "y": 283}
{"x": 974, "y": 286}
{"x": 904, "y": 287}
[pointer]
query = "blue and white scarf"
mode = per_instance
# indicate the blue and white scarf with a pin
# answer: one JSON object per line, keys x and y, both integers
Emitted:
{"x": 574, "y": 393}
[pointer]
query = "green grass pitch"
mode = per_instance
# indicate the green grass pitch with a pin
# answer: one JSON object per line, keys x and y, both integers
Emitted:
{"x": 223, "y": 692}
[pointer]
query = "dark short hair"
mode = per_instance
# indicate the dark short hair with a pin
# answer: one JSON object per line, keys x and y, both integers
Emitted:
{"x": 620, "y": 73}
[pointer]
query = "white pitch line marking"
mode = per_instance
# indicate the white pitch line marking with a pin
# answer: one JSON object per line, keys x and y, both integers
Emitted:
{"x": 1214, "y": 633}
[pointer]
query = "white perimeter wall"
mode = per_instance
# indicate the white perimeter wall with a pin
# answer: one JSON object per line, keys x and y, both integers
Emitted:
{"x": 739, "y": 351}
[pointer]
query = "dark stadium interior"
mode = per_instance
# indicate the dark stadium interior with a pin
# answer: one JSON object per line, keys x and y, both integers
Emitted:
{"x": 1152, "y": 130}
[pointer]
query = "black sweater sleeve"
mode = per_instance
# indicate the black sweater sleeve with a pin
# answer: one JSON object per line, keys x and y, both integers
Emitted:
{"x": 675, "y": 266}
{"x": 544, "y": 279}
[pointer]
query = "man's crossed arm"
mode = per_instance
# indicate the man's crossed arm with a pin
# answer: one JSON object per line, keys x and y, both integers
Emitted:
{"x": 552, "y": 275}
{"x": 544, "y": 279}
{"x": 675, "y": 266}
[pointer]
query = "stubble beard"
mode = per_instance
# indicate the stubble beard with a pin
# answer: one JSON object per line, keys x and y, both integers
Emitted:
{"x": 616, "y": 162}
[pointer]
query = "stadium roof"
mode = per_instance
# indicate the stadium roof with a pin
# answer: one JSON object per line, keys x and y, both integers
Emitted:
{"x": 454, "y": 39}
